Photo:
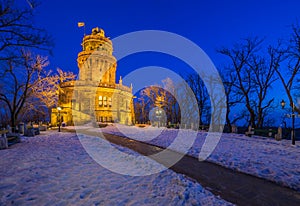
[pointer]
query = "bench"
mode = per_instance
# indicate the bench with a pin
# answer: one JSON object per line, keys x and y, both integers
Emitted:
{"x": 249, "y": 132}
{"x": 13, "y": 138}
{"x": 260, "y": 132}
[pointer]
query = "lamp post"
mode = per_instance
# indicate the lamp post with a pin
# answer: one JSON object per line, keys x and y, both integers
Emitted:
{"x": 59, "y": 109}
{"x": 293, "y": 120}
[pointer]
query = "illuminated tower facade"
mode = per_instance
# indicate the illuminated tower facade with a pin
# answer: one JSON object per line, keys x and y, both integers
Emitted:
{"x": 95, "y": 96}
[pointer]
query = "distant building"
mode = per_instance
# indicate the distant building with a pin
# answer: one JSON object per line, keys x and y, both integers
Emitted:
{"x": 95, "y": 95}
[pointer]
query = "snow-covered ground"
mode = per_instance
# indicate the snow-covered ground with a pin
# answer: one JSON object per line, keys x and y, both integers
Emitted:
{"x": 54, "y": 169}
{"x": 278, "y": 161}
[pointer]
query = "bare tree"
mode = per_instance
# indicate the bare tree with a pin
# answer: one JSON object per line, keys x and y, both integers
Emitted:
{"x": 197, "y": 86}
{"x": 142, "y": 106}
{"x": 19, "y": 78}
{"x": 138, "y": 110}
{"x": 17, "y": 29}
{"x": 48, "y": 88}
{"x": 288, "y": 75}
{"x": 172, "y": 107}
{"x": 154, "y": 96}
{"x": 254, "y": 76}
{"x": 163, "y": 96}
{"x": 239, "y": 57}
{"x": 233, "y": 97}
{"x": 217, "y": 104}
{"x": 263, "y": 77}
{"x": 18, "y": 67}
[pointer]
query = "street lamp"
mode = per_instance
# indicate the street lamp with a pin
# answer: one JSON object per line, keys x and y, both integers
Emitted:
{"x": 293, "y": 120}
{"x": 59, "y": 109}
{"x": 282, "y": 103}
{"x": 158, "y": 115}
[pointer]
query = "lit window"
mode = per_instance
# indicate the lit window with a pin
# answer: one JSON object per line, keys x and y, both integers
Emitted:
{"x": 109, "y": 101}
{"x": 105, "y": 101}
{"x": 100, "y": 101}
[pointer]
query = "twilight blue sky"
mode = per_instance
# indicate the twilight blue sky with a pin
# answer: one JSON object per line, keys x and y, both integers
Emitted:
{"x": 210, "y": 24}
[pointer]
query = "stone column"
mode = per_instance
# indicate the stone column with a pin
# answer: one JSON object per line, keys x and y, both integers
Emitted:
{"x": 21, "y": 127}
{"x": 278, "y": 136}
{"x": 3, "y": 140}
{"x": 9, "y": 129}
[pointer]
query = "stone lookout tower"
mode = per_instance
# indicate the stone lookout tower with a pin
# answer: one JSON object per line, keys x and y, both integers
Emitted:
{"x": 95, "y": 96}
{"x": 97, "y": 53}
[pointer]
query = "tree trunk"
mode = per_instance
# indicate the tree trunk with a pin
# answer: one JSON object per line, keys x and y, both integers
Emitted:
{"x": 228, "y": 122}
{"x": 13, "y": 122}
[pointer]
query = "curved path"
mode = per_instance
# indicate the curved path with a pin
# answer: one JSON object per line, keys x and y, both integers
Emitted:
{"x": 233, "y": 186}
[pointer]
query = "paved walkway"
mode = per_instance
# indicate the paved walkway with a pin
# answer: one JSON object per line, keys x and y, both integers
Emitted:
{"x": 233, "y": 186}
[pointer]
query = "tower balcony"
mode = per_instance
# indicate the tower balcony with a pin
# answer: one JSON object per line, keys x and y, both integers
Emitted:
{"x": 91, "y": 83}
{"x": 68, "y": 83}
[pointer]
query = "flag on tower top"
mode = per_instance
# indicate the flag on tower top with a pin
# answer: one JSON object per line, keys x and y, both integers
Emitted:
{"x": 80, "y": 24}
